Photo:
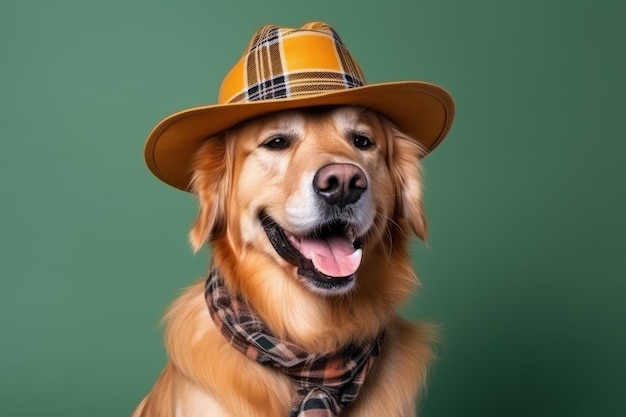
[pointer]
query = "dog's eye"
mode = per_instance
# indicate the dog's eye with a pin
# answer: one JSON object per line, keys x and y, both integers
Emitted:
{"x": 277, "y": 143}
{"x": 362, "y": 142}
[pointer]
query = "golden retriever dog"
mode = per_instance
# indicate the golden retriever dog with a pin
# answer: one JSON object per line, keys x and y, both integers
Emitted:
{"x": 308, "y": 213}
{"x": 308, "y": 181}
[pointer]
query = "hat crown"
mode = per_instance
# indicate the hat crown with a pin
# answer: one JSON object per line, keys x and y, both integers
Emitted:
{"x": 288, "y": 63}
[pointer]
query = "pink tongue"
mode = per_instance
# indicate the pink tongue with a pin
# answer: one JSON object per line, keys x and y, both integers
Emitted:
{"x": 333, "y": 256}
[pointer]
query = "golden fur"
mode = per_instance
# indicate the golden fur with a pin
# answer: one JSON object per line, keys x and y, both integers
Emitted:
{"x": 236, "y": 178}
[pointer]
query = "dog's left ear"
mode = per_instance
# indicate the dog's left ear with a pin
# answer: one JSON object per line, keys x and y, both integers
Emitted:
{"x": 211, "y": 182}
{"x": 404, "y": 156}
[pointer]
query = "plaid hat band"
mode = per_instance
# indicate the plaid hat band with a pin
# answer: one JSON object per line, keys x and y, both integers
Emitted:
{"x": 288, "y": 63}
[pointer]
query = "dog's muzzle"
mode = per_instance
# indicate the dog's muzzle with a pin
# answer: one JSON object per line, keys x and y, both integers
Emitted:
{"x": 329, "y": 256}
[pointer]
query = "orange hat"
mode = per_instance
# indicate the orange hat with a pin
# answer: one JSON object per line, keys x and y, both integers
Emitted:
{"x": 285, "y": 68}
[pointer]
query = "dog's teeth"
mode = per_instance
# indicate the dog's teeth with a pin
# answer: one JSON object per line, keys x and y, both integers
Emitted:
{"x": 294, "y": 240}
{"x": 350, "y": 236}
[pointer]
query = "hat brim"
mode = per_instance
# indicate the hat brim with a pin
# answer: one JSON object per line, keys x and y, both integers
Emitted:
{"x": 421, "y": 110}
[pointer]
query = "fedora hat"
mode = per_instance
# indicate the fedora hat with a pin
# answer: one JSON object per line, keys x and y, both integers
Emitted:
{"x": 285, "y": 68}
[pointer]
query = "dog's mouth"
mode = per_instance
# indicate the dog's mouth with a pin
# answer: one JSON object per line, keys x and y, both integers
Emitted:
{"x": 327, "y": 258}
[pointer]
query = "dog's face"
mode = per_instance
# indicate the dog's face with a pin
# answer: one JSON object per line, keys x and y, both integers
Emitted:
{"x": 315, "y": 190}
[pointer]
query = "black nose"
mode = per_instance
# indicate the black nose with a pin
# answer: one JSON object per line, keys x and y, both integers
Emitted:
{"x": 340, "y": 184}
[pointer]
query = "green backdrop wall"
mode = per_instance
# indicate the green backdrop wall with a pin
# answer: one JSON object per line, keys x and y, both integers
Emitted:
{"x": 525, "y": 267}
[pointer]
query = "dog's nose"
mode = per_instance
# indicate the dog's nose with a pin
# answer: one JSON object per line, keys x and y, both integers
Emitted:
{"x": 340, "y": 184}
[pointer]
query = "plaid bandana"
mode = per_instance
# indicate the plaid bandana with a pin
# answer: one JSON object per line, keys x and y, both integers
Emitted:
{"x": 325, "y": 383}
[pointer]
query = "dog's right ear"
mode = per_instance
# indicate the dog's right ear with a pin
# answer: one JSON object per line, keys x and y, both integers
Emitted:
{"x": 405, "y": 155}
{"x": 210, "y": 182}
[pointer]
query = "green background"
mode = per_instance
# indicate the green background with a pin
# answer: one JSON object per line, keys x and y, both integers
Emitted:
{"x": 525, "y": 267}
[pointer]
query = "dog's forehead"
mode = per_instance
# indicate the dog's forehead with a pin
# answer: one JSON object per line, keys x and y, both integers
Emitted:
{"x": 344, "y": 118}
{"x": 289, "y": 121}
{"x": 349, "y": 117}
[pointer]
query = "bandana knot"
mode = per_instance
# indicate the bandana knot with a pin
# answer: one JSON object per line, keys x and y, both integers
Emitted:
{"x": 324, "y": 383}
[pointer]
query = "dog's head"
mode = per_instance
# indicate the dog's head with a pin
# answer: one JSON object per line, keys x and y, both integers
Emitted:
{"x": 315, "y": 190}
